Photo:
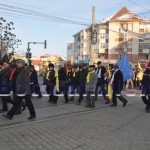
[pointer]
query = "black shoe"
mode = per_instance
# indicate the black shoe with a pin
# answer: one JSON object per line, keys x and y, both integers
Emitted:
{"x": 87, "y": 106}
{"x": 72, "y": 98}
{"x": 113, "y": 105}
{"x": 124, "y": 104}
{"x": 146, "y": 107}
{"x": 148, "y": 111}
{"x": 40, "y": 96}
{"x": 3, "y": 110}
{"x": 55, "y": 99}
{"x": 92, "y": 107}
{"x": 7, "y": 116}
{"x": 78, "y": 103}
{"x": 31, "y": 117}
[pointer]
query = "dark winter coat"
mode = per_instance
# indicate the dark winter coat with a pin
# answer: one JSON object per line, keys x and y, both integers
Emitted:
{"x": 146, "y": 82}
{"x": 22, "y": 81}
{"x": 5, "y": 84}
{"x": 118, "y": 82}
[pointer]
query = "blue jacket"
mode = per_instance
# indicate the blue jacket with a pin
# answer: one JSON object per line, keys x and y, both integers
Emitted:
{"x": 5, "y": 86}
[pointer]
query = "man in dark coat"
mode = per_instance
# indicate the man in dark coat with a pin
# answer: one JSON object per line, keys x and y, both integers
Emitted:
{"x": 74, "y": 82}
{"x": 50, "y": 83}
{"x": 5, "y": 86}
{"x": 63, "y": 87}
{"x": 34, "y": 82}
{"x": 101, "y": 70}
{"x": 21, "y": 85}
{"x": 117, "y": 82}
{"x": 82, "y": 82}
{"x": 146, "y": 89}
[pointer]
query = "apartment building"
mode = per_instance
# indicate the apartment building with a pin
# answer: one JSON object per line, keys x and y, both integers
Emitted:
{"x": 123, "y": 34}
{"x": 70, "y": 52}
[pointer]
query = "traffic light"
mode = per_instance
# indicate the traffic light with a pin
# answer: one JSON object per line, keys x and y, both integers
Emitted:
{"x": 30, "y": 55}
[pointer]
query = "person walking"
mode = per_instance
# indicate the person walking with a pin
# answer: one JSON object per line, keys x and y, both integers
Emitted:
{"x": 51, "y": 81}
{"x": 21, "y": 85}
{"x": 74, "y": 82}
{"x": 5, "y": 86}
{"x": 101, "y": 71}
{"x": 82, "y": 82}
{"x": 146, "y": 89}
{"x": 34, "y": 82}
{"x": 117, "y": 83}
{"x": 91, "y": 86}
{"x": 63, "y": 86}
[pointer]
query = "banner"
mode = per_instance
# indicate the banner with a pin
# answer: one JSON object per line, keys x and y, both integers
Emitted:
{"x": 125, "y": 67}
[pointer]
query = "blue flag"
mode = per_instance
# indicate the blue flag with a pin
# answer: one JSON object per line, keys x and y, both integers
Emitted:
{"x": 125, "y": 67}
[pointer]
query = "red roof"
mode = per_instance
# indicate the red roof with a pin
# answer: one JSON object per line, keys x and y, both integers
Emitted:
{"x": 36, "y": 62}
{"x": 125, "y": 14}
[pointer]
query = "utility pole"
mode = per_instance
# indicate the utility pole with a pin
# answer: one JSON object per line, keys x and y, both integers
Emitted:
{"x": 93, "y": 36}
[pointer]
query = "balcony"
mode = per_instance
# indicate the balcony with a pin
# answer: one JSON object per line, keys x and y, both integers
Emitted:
{"x": 144, "y": 51}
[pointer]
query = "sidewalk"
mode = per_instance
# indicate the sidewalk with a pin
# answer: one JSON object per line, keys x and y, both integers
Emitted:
{"x": 46, "y": 110}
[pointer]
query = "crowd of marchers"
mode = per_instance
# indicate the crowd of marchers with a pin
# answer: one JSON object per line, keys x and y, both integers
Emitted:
{"x": 18, "y": 83}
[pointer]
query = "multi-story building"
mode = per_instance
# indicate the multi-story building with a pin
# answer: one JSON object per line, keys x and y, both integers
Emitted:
{"x": 123, "y": 34}
{"x": 70, "y": 53}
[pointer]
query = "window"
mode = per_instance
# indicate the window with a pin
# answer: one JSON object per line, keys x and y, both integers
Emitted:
{"x": 147, "y": 35}
{"x": 103, "y": 46}
{"x": 103, "y": 36}
{"x": 121, "y": 47}
{"x": 102, "y": 26}
{"x": 124, "y": 26}
{"x": 144, "y": 46}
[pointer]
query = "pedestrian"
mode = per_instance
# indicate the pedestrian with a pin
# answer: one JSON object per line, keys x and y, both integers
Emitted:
{"x": 51, "y": 80}
{"x": 34, "y": 84}
{"x": 63, "y": 86}
{"x": 101, "y": 71}
{"x": 5, "y": 86}
{"x": 21, "y": 83}
{"x": 74, "y": 82}
{"x": 117, "y": 83}
{"x": 146, "y": 89}
{"x": 82, "y": 82}
{"x": 91, "y": 86}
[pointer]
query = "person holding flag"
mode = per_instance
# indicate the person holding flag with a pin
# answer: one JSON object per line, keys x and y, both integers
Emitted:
{"x": 122, "y": 72}
{"x": 117, "y": 83}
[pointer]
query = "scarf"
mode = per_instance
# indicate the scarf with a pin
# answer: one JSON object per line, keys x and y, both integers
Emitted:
{"x": 74, "y": 74}
{"x": 89, "y": 75}
{"x": 12, "y": 74}
{"x": 1, "y": 68}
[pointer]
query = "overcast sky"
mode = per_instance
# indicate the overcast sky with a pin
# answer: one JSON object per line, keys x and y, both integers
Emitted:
{"x": 59, "y": 34}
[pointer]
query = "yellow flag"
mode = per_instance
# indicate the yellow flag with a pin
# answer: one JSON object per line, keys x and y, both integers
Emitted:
{"x": 57, "y": 81}
{"x": 139, "y": 66}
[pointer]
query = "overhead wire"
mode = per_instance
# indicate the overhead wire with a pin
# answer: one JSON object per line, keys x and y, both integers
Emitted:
{"x": 19, "y": 10}
{"x": 53, "y": 13}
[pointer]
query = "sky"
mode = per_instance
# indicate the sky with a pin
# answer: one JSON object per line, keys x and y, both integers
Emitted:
{"x": 56, "y": 33}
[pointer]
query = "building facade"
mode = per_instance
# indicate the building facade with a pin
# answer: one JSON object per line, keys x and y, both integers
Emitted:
{"x": 70, "y": 53}
{"x": 123, "y": 34}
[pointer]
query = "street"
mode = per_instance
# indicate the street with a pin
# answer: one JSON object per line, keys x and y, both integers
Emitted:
{"x": 73, "y": 127}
